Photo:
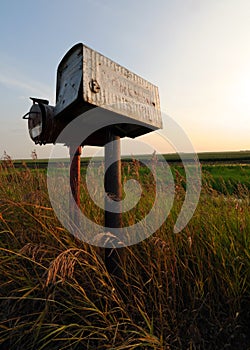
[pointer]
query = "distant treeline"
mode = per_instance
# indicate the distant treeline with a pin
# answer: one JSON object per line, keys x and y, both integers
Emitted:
{"x": 235, "y": 157}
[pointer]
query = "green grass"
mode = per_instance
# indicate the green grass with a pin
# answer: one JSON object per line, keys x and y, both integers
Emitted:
{"x": 178, "y": 291}
{"x": 228, "y": 179}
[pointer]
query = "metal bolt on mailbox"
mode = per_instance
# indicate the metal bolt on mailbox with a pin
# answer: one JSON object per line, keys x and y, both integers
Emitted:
{"x": 85, "y": 80}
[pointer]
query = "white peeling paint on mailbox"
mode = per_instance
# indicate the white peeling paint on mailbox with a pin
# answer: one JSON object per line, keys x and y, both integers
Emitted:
{"x": 89, "y": 77}
{"x": 69, "y": 79}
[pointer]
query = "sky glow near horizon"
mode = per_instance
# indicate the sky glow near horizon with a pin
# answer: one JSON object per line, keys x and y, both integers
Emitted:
{"x": 196, "y": 52}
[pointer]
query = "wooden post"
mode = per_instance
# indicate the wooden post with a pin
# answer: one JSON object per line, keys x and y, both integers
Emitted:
{"x": 113, "y": 189}
{"x": 75, "y": 159}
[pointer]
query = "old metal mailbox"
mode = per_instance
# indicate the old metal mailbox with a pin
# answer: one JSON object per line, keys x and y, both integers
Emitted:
{"x": 87, "y": 79}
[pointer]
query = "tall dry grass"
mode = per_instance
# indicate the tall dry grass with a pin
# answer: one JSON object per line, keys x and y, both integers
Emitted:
{"x": 178, "y": 291}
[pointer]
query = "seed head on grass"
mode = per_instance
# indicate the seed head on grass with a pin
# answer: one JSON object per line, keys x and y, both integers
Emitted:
{"x": 63, "y": 266}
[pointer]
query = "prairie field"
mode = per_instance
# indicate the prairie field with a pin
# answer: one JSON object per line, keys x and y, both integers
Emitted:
{"x": 189, "y": 290}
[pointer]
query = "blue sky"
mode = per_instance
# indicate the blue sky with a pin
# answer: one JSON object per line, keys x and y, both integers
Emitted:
{"x": 196, "y": 52}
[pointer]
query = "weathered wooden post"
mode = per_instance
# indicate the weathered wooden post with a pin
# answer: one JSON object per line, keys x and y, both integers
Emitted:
{"x": 75, "y": 179}
{"x": 129, "y": 106}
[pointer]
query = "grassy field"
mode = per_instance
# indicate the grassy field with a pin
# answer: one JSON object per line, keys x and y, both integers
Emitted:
{"x": 240, "y": 157}
{"x": 178, "y": 291}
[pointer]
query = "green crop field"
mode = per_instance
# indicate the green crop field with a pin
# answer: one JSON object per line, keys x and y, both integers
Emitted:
{"x": 189, "y": 290}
